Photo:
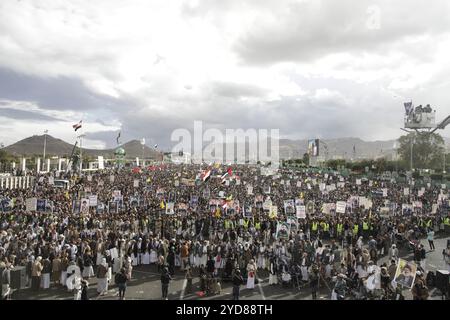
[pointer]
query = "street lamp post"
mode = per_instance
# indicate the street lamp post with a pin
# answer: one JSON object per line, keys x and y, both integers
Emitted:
{"x": 45, "y": 145}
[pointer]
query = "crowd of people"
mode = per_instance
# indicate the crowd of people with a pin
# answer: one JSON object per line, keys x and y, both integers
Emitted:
{"x": 222, "y": 223}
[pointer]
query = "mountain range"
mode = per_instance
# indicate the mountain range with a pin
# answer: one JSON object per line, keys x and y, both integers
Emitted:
{"x": 56, "y": 147}
{"x": 340, "y": 148}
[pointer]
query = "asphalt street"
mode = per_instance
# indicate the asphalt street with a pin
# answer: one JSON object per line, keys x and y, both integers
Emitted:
{"x": 145, "y": 285}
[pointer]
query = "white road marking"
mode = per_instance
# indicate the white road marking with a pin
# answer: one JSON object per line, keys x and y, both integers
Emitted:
{"x": 260, "y": 289}
{"x": 183, "y": 290}
{"x": 153, "y": 273}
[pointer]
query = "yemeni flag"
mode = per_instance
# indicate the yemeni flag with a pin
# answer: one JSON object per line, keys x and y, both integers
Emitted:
{"x": 77, "y": 126}
{"x": 205, "y": 175}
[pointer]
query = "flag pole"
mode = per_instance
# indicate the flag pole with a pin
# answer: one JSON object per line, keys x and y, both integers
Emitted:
{"x": 45, "y": 145}
{"x": 81, "y": 149}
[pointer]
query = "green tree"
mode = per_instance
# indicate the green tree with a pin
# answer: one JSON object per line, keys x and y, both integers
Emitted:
{"x": 306, "y": 158}
{"x": 428, "y": 150}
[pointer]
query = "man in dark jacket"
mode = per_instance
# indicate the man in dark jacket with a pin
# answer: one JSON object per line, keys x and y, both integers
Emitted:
{"x": 121, "y": 281}
{"x": 171, "y": 261}
{"x": 165, "y": 280}
{"x": 237, "y": 282}
{"x": 210, "y": 266}
{"x": 314, "y": 281}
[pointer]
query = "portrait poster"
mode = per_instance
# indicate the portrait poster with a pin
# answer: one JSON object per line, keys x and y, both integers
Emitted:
{"x": 282, "y": 232}
{"x": 40, "y": 205}
{"x": 405, "y": 273}
{"x": 84, "y": 205}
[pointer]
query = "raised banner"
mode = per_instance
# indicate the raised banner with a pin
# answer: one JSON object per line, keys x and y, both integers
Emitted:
{"x": 310, "y": 207}
{"x": 40, "y": 205}
{"x": 170, "y": 208}
{"x": 289, "y": 207}
{"x": 327, "y": 208}
{"x": 267, "y": 204}
{"x": 31, "y": 204}
{"x": 136, "y": 183}
{"x": 340, "y": 206}
{"x": 273, "y": 212}
{"x": 84, "y": 207}
{"x": 93, "y": 201}
{"x": 405, "y": 273}
{"x": 282, "y": 232}
{"x": 301, "y": 212}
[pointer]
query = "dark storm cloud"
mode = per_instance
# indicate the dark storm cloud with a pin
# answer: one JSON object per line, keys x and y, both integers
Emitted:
{"x": 60, "y": 93}
{"x": 25, "y": 115}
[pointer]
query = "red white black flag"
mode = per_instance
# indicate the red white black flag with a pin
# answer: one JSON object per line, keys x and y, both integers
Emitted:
{"x": 77, "y": 126}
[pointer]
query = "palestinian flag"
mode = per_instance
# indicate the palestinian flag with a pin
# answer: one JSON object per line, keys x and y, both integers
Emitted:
{"x": 229, "y": 173}
{"x": 205, "y": 175}
{"x": 77, "y": 126}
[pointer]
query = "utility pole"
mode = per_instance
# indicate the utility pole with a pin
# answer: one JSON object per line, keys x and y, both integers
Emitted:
{"x": 45, "y": 145}
{"x": 411, "y": 142}
{"x": 445, "y": 151}
{"x": 81, "y": 151}
{"x": 411, "y": 158}
{"x": 143, "y": 150}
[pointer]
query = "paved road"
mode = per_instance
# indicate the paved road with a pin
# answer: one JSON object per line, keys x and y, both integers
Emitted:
{"x": 145, "y": 285}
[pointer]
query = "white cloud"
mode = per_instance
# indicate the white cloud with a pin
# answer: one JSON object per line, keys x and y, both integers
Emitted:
{"x": 230, "y": 62}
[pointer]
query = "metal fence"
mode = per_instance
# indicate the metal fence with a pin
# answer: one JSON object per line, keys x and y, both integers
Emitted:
{"x": 16, "y": 182}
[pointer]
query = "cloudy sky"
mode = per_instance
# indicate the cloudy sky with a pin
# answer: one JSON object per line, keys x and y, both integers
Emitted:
{"x": 312, "y": 68}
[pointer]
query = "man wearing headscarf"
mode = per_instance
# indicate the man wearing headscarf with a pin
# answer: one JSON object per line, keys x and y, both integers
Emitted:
{"x": 56, "y": 270}
{"x": 46, "y": 271}
{"x": 251, "y": 274}
{"x": 36, "y": 274}
{"x": 102, "y": 280}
